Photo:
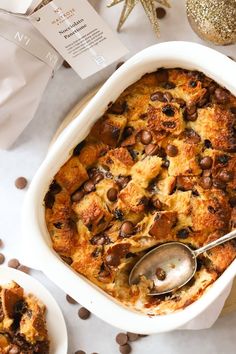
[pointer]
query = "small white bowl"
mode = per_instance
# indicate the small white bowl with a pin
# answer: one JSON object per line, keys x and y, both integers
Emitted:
{"x": 55, "y": 321}
{"x": 37, "y": 244}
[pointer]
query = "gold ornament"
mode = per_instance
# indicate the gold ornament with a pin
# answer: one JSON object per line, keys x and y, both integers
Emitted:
{"x": 149, "y": 7}
{"x": 212, "y": 20}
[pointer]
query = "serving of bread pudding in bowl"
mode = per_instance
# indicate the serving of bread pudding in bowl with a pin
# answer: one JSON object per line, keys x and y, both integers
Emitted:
{"x": 158, "y": 166}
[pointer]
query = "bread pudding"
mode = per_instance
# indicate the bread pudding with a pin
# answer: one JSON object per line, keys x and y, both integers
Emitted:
{"x": 22, "y": 322}
{"x": 158, "y": 166}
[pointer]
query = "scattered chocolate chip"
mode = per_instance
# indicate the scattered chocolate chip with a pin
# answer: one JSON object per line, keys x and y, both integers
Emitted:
{"x": 160, "y": 274}
{"x": 126, "y": 229}
{"x": 125, "y": 349}
{"x": 192, "y": 117}
{"x": 172, "y": 150}
{"x": 97, "y": 177}
{"x": 191, "y": 109}
{"x": 24, "y": 269}
{"x": 119, "y": 64}
{"x": 78, "y": 148}
{"x": 225, "y": 176}
{"x": 66, "y": 64}
{"x": 49, "y": 200}
{"x": 21, "y": 182}
{"x": 232, "y": 202}
{"x": 80, "y": 352}
{"x": 71, "y": 300}
{"x": 2, "y": 258}
{"x": 206, "y": 182}
{"x": 211, "y": 209}
{"x": 132, "y": 337}
{"x": 169, "y": 124}
{"x": 128, "y": 131}
{"x": 156, "y": 203}
{"x": 89, "y": 186}
{"x": 83, "y": 313}
{"x": 122, "y": 181}
{"x": 118, "y": 108}
{"x": 157, "y": 96}
{"x": 168, "y": 111}
{"x": 121, "y": 338}
{"x": 206, "y": 163}
{"x": 183, "y": 233}
{"x": 162, "y": 75}
{"x": 233, "y": 110}
{"x": 100, "y": 240}
{"x": 221, "y": 95}
{"x": 165, "y": 163}
{"x": 77, "y": 196}
{"x": 54, "y": 188}
{"x": 145, "y": 137}
{"x": 118, "y": 214}
{"x": 207, "y": 144}
{"x": 13, "y": 263}
{"x": 112, "y": 194}
{"x": 160, "y": 12}
{"x": 180, "y": 102}
{"x": 168, "y": 96}
{"x": 202, "y": 102}
{"x": 151, "y": 149}
{"x": 168, "y": 85}
{"x": 112, "y": 259}
{"x": 223, "y": 159}
{"x": 191, "y": 136}
{"x": 219, "y": 184}
{"x": 67, "y": 260}
{"x": 192, "y": 83}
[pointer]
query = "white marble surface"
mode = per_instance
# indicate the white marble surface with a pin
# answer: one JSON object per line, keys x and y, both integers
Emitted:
{"x": 28, "y": 152}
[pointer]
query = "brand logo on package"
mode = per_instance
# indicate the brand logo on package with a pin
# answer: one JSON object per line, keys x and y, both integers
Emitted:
{"x": 22, "y": 38}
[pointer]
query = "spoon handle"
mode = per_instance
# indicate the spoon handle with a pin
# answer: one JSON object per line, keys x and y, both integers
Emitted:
{"x": 215, "y": 243}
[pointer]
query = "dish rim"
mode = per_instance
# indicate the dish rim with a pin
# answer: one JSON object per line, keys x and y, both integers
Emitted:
{"x": 167, "y": 54}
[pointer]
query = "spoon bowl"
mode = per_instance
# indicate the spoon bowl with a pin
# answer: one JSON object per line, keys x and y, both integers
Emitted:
{"x": 171, "y": 265}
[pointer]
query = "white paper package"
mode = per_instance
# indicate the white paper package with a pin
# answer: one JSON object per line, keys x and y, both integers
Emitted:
{"x": 27, "y": 62}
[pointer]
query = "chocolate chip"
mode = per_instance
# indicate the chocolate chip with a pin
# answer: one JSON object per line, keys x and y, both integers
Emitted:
{"x": 112, "y": 194}
{"x": 2, "y": 258}
{"x": 211, "y": 209}
{"x": 118, "y": 108}
{"x": 232, "y": 202}
{"x": 66, "y": 64}
{"x": 122, "y": 181}
{"x": 55, "y": 188}
{"x": 119, "y": 64}
{"x": 21, "y": 182}
{"x": 172, "y": 150}
{"x": 221, "y": 95}
{"x": 125, "y": 349}
{"x": 223, "y": 159}
{"x": 157, "y": 96}
{"x": 191, "y": 109}
{"x": 165, "y": 164}
{"x": 121, "y": 338}
{"x": 100, "y": 240}
{"x": 77, "y": 196}
{"x": 169, "y": 124}
{"x": 219, "y": 184}
{"x": 132, "y": 337}
{"x": 168, "y": 111}
{"x": 13, "y": 263}
{"x": 160, "y": 274}
{"x": 145, "y": 137}
{"x": 128, "y": 131}
{"x": 24, "y": 269}
{"x": 206, "y": 163}
{"x": 160, "y": 12}
{"x": 151, "y": 149}
{"x": 71, "y": 300}
{"x": 162, "y": 75}
{"x": 118, "y": 214}
{"x": 67, "y": 260}
{"x": 126, "y": 229}
{"x": 80, "y": 352}
{"x": 192, "y": 117}
{"x": 225, "y": 176}
{"x": 112, "y": 259}
{"x": 97, "y": 177}
{"x": 89, "y": 186}
{"x": 183, "y": 233}
{"x": 202, "y": 102}
{"x": 180, "y": 102}
{"x": 207, "y": 144}
{"x": 168, "y": 96}
{"x": 83, "y": 313}
{"x": 233, "y": 110}
{"x": 192, "y": 136}
{"x": 168, "y": 85}
{"x": 206, "y": 182}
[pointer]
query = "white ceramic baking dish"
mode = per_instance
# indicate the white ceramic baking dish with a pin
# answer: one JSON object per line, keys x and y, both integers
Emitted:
{"x": 38, "y": 251}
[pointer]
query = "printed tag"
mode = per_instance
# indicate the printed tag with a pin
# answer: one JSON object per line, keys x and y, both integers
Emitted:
{"x": 79, "y": 34}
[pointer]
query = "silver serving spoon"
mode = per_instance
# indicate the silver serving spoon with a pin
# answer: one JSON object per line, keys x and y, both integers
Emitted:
{"x": 171, "y": 265}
